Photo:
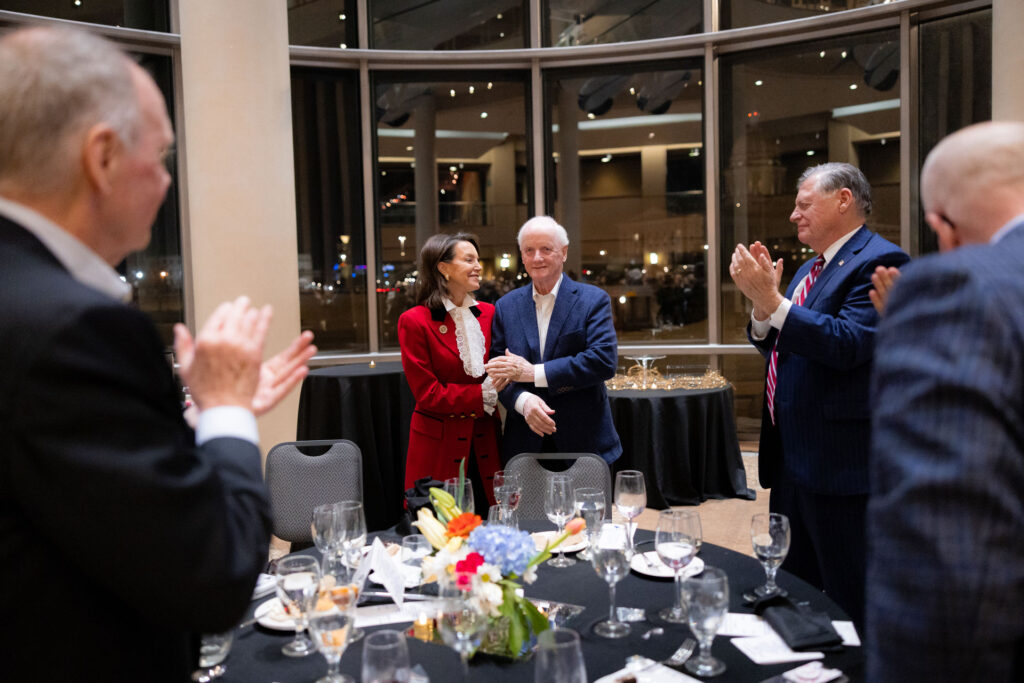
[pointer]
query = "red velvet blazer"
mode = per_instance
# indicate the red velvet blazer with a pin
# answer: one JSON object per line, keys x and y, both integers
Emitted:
{"x": 449, "y": 414}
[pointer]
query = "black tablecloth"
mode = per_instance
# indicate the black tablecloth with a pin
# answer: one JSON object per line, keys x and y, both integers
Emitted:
{"x": 256, "y": 655}
{"x": 684, "y": 441}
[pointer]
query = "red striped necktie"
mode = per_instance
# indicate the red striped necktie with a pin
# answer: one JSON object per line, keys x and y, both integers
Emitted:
{"x": 773, "y": 362}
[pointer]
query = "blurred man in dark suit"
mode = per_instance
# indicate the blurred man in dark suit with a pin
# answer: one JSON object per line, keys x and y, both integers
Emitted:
{"x": 946, "y": 517}
{"x": 818, "y": 341}
{"x": 123, "y": 532}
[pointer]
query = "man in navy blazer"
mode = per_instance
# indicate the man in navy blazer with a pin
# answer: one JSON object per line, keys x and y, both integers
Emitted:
{"x": 124, "y": 533}
{"x": 555, "y": 340}
{"x": 946, "y": 516}
{"x": 818, "y": 341}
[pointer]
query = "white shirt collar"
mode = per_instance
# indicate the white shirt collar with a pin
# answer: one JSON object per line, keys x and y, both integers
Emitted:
{"x": 834, "y": 248}
{"x": 1006, "y": 229}
{"x": 466, "y": 303}
{"x": 83, "y": 263}
{"x": 553, "y": 293}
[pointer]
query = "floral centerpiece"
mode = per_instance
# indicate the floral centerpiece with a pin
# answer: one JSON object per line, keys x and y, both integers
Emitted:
{"x": 500, "y": 557}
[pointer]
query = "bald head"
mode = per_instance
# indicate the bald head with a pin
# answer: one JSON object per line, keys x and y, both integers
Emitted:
{"x": 972, "y": 182}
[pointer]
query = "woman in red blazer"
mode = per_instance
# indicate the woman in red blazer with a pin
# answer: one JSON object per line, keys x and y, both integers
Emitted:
{"x": 444, "y": 340}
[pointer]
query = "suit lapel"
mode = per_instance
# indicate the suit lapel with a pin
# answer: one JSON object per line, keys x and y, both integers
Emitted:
{"x": 527, "y": 313}
{"x": 839, "y": 263}
{"x": 439, "y": 318}
{"x": 567, "y": 296}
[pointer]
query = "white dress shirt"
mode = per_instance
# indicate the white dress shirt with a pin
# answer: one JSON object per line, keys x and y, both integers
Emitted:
{"x": 87, "y": 267}
{"x": 545, "y": 305}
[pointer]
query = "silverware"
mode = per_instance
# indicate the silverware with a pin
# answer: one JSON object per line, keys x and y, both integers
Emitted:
{"x": 678, "y": 658}
{"x": 656, "y": 631}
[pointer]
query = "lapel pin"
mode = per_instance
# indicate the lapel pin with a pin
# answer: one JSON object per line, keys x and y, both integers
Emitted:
{"x": 443, "y": 329}
{"x": 842, "y": 262}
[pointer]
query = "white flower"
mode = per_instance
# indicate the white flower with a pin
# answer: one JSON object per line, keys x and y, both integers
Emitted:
{"x": 491, "y": 597}
{"x": 489, "y": 572}
{"x": 530, "y": 575}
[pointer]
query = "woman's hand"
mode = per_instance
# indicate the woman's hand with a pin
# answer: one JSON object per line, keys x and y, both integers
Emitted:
{"x": 510, "y": 367}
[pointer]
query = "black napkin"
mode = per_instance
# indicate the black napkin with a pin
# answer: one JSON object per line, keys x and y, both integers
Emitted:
{"x": 801, "y": 627}
{"x": 415, "y": 498}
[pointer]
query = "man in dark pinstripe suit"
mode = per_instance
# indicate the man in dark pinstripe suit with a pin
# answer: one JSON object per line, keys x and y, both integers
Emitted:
{"x": 946, "y": 516}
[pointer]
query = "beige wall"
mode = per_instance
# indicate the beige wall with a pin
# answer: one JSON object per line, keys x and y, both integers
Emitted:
{"x": 1007, "y": 60}
{"x": 239, "y": 201}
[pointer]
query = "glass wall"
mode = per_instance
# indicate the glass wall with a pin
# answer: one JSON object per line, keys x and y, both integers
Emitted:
{"x": 449, "y": 25}
{"x": 738, "y": 13}
{"x": 785, "y": 109}
{"x": 322, "y": 23}
{"x": 151, "y": 15}
{"x": 626, "y": 176}
{"x": 587, "y": 22}
{"x": 452, "y": 156}
{"x": 329, "y": 201}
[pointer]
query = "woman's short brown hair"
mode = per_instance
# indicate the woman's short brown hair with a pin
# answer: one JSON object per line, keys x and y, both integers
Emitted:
{"x": 440, "y": 248}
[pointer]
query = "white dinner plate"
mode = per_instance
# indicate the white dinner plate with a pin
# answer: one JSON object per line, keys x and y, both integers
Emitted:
{"x": 569, "y": 545}
{"x": 271, "y": 614}
{"x": 660, "y": 570}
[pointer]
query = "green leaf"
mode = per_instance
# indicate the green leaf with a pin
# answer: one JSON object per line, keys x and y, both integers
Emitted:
{"x": 462, "y": 485}
{"x": 538, "y": 622}
{"x": 517, "y": 632}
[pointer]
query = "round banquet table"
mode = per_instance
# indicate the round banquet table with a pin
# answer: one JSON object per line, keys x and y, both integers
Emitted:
{"x": 256, "y": 653}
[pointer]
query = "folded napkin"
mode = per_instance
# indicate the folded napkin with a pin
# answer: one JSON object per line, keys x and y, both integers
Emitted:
{"x": 643, "y": 670}
{"x": 801, "y": 627}
{"x": 265, "y": 585}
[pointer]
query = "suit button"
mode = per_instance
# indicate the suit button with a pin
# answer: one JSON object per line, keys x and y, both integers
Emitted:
{"x": 462, "y": 417}
{"x": 452, "y": 416}
{"x": 473, "y": 415}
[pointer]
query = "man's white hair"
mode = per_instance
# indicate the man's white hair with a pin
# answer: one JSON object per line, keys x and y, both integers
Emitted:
{"x": 545, "y": 224}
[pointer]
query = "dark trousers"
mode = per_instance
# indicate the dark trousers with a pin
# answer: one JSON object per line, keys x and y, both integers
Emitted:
{"x": 828, "y": 544}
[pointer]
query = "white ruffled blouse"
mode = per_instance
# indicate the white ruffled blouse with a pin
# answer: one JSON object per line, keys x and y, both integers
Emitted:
{"x": 470, "y": 340}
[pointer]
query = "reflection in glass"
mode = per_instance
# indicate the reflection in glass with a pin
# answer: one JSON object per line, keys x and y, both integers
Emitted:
{"x": 627, "y": 160}
{"x": 587, "y": 22}
{"x": 451, "y": 157}
{"x": 738, "y": 13}
{"x": 151, "y": 15}
{"x": 322, "y": 23}
{"x": 448, "y": 25}
{"x": 786, "y": 109}
{"x": 328, "y": 194}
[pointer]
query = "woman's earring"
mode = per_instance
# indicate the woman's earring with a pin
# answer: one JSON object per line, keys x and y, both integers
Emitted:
{"x": 446, "y": 278}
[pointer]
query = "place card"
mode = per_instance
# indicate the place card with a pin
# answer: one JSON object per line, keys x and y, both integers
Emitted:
{"x": 381, "y": 615}
{"x": 771, "y": 649}
{"x": 643, "y": 670}
{"x": 736, "y": 624}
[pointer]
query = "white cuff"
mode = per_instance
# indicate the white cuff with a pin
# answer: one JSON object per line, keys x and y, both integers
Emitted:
{"x": 539, "y": 378}
{"x": 490, "y": 395}
{"x": 759, "y": 328}
{"x": 778, "y": 318}
{"x": 226, "y": 421}
{"x": 521, "y": 401}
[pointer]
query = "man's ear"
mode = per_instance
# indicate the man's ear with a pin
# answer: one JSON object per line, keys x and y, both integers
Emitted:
{"x": 100, "y": 155}
{"x": 945, "y": 231}
{"x": 845, "y": 200}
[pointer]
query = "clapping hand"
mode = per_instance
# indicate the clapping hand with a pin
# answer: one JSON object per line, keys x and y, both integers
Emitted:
{"x": 757, "y": 277}
{"x": 883, "y": 279}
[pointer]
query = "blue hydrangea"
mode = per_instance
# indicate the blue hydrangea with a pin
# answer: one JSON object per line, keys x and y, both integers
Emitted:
{"x": 508, "y": 549}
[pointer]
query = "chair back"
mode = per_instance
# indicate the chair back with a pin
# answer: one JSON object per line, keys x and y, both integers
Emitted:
{"x": 302, "y": 475}
{"x": 586, "y": 470}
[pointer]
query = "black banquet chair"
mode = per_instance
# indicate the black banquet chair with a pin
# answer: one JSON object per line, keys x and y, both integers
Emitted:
{"x": 304, "y": 474}
{"x": 586, "y": 470}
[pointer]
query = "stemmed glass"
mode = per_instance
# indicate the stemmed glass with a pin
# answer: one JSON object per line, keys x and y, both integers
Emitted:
{"x": 559, "y": 506}
{"x": 675, "y": 543}
{"x": 508, "y": 489}
{"x": 590, "y": 504}
{"x": 708, "y": 599}
{"x": 323, "y": 531}
{"x": 559, "y": 658}
{"x": 769, "y": 534}
{"x": 464, "y": 498}
{"x": 332, "y": 630}
{"x": 350, "y": 537}
{"x": 610, "y": 554}
{"x": 630, "y": 498}
{"x": 298, "y": 583}
{"x": 385, "y": 658}
{"x": 460, "y": 619}
{"x": 213, "y": 650}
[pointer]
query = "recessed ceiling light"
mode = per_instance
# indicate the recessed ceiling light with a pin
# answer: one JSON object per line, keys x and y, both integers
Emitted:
{"x": 759, "y": 82}
{"x": 483, "y": 115}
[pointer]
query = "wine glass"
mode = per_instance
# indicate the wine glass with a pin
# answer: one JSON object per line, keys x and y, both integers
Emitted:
{"x": 350, "y": 529}
{"x": 298, "y": 582}
{"x": 508, "y": 489}
{"x": 559, "y": 658}
{"x": 707, "y": 596}
{"x": 385, "y": 658}
{"x": 559, "y": 506}
{"x": 500, "y": 515}
{"x": 463, "y": 498}
{"x": 460, "y": 617}
{"x": 331, "y": 630}
{"x": 213, "y": 649}
{"x": 630, "y": 497}
{"x": 769, "y": 534}
{"x": 674, "y": 541}
{"x": 610, "y": 554}
{"x": 323, "y": 530}
{"x": 590, "y": 504}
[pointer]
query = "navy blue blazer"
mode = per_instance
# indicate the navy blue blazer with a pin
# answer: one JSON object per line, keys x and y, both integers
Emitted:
{"x": 945, "y": 595}
{"x": 580, "y": 354}
{"x": 820, "y": 439}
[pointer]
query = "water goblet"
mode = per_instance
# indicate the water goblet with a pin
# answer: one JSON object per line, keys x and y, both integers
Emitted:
{"x": 610, "y": 554}
{"x": 414, "y": 548}
{"x": 559, "y": 657}
{"x": 385, "y": 658}
{"x": 559, "y": 506}
{"x": 464, "y": 496}
{"x": 590, "y": 504}
{"x": 213, "y": 650}
{"x": 460, "y": 617}
{"x": 769, "y": 535}
{"x": 500, "y": 515}
{"x": 630, "y": 497}
{"x": 331, "y": 630}
{"x": 707, "y": 596}
{"x": 508, "y": 489}
{"x": 298, "y": 583}
{"x": 674, "y": 541}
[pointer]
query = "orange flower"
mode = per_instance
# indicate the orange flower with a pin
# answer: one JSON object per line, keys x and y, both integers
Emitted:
{"x": 575, "y": 526}
{"x": 463, "y": 524}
